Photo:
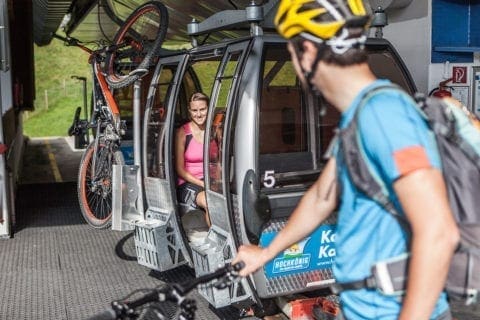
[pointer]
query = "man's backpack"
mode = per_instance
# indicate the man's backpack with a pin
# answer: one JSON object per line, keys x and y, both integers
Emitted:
{"x": 458, "y": 138}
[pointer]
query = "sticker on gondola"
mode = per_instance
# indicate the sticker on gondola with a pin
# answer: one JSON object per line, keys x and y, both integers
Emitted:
{"x": 313, "y": 253}
{"x": 293, "y": 258}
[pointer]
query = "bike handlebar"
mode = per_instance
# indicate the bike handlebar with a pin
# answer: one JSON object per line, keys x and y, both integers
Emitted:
{"x": 228, "y": 270}
{"x": 69, "y": 41}
{"x": 173, "y": 292}
{"x": 72, "y": 42}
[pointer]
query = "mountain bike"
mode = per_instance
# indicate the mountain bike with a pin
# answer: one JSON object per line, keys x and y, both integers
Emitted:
{"x": 154, "y": 303}
{"x": 114, "y": 65}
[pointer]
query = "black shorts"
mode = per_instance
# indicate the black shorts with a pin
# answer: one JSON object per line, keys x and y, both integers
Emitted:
{"x": 187, "y": 194}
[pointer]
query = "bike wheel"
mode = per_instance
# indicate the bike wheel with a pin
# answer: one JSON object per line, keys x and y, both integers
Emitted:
{"x": 95, "y": 193}
{"x": 138, "y": 42}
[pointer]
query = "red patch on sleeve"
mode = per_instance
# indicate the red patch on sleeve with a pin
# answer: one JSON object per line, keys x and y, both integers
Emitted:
{"x": 411, "y": 159}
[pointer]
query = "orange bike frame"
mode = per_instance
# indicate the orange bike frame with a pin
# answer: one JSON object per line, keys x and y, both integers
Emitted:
{"x": 107, "y": 94}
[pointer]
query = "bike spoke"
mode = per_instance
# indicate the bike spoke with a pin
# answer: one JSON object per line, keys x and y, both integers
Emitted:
{"x": 95, "y": 192}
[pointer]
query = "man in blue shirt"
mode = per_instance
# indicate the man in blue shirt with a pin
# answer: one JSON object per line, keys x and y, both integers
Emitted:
{"x": 326, "y": 39}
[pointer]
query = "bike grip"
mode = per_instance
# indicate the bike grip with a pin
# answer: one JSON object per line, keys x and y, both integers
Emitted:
{"x": 108, "y": 314}
{"x": 238, "y": 266}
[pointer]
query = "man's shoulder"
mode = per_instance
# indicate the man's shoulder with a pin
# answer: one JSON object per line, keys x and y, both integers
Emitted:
{"x": 388, "y": 105}
{"x": 389, "y": 96}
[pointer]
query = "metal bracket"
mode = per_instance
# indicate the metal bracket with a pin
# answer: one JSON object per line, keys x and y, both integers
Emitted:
{"x": 253, "y": 14}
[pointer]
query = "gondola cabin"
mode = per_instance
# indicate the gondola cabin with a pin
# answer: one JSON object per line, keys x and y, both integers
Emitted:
{"x": 264, "y": 144}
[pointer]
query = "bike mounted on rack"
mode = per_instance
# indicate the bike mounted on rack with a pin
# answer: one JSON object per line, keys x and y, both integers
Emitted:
{"x": 114, "y": 66}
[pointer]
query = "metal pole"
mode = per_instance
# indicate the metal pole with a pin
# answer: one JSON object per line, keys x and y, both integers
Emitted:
{"x": 84, "y": 84}
{"x": 137, "y": 141}
{"x": 85, "y": 111}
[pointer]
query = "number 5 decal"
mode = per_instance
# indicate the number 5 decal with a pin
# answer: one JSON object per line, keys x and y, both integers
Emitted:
{"x": 269, "y": 179}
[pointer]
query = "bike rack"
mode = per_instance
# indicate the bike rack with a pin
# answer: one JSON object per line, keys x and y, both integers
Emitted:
{"x": 127, "y": 193}
{"x": 124, "y": 196}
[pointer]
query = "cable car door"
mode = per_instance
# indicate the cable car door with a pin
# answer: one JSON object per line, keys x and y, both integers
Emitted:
{"x": 219, "y": 245}
{"x": 159, "y": 239}
{"x": 286, "y": 151}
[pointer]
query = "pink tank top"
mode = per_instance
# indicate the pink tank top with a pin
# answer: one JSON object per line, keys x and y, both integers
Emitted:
{"x": 193, "y": 155}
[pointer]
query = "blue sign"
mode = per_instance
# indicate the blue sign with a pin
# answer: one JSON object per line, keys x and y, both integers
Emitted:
{"x": 312, "y": 253}
{"x": 127, "y": 150}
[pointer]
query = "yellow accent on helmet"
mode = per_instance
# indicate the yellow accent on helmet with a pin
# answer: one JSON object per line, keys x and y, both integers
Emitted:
{"x": 320, "y": 18}
{"x": 357, "y": 7}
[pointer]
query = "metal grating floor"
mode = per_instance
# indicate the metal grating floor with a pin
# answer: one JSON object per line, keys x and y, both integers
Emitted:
{"x": 57, "y": 267}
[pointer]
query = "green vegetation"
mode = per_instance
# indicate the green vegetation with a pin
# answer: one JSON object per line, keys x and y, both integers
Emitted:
{"x": 57, "y": 94}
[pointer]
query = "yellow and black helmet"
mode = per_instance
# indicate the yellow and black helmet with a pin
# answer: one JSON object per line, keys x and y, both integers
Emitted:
{"x": 319, "y": 20}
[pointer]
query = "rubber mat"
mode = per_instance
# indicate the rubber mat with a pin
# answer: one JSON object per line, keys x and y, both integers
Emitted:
{"x": 58, "y": 267}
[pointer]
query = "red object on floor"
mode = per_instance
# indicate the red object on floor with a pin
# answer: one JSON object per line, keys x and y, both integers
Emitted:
{"x": 302, "y": 309}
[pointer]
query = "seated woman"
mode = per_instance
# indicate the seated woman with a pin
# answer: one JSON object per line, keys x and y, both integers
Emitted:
{"x": 189, "y": 155}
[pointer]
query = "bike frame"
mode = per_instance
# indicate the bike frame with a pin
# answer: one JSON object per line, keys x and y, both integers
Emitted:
{"x": 107, "y": 94}
{"x": 102, "y": 99}
{"x": 99, "y": 83}
{"x": 98, "y": 77}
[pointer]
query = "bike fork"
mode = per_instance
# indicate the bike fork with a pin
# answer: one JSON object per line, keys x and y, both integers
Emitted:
{"x": 95, "y": 150}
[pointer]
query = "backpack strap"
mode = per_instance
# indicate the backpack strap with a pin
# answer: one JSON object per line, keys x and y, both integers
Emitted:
{"x": 188, "y": 139}
{"x": 188, "y": 134}
{"x": 362, "y": 176}
{"x": 366, "y": 283}
{"x": 365, "y": 180}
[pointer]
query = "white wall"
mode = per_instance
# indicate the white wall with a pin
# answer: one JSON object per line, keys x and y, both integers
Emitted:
{"x": 409, "y": 31}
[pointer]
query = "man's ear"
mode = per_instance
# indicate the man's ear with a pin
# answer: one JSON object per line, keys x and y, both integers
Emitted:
{"x": 309, "y": 55}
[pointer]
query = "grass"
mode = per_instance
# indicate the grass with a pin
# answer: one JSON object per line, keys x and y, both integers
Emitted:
{"x": 54, "y": 66}
{"x": 57, "y": 94}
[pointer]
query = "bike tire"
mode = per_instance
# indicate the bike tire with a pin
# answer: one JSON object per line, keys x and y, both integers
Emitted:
{"x": 96, "y": 206}
{"x": 117, "y": 74}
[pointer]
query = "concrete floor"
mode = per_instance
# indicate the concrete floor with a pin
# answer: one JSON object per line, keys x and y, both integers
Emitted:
{"x": 50, "y": 160}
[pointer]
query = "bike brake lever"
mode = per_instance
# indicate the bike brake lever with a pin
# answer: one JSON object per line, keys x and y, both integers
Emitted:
{"x": 69, "y": 41}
